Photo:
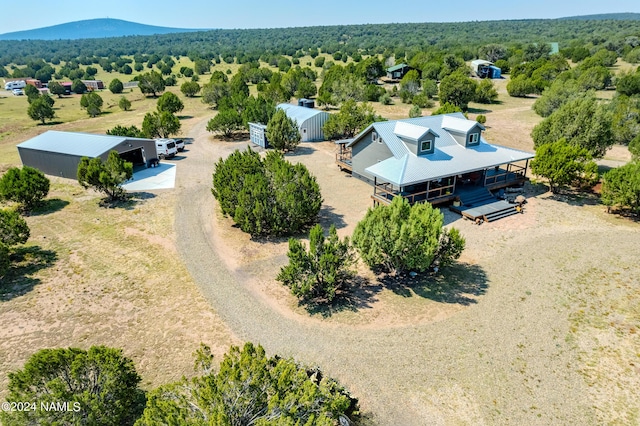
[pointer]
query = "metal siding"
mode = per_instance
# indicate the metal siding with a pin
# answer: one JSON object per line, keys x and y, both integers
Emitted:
{"x": 367, "y": 153}
{"x": 51, "y": 163}
{"x": 308, "y": 118}
{"x": 66, "y": 165}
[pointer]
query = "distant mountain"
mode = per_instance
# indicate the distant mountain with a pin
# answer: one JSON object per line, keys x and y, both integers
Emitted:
{"x": 92, "y": 28}
{"x": 605, "y": 16}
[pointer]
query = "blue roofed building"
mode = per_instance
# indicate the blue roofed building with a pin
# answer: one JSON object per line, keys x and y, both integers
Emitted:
{"x": 310, "y": 121}
{"x": 58, "y": 153}
{"x": 432, "y": 159}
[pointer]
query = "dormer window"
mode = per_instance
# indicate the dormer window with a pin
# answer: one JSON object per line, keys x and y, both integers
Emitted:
{"x": 425, "y": 146}
{"x": 473, "y": 139}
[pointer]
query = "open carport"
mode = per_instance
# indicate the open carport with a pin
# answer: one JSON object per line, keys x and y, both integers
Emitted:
{"x": 58, "y": 153}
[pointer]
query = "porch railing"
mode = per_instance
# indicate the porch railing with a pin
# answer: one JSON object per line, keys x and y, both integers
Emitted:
{"x": 386, "y": 191}
{"x": 513, "y": 173}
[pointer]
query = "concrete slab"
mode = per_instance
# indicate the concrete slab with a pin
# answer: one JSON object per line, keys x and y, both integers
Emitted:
{"x": 161, "y": 177}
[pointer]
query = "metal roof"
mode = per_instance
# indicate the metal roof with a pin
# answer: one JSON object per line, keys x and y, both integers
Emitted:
{"x": 481, "y": 62}
{"x": 449, "y": 157}
{"x": 457, "y": 124}
{"x": 410, "y": 131}
{"x": 300, "y": 114}
{"x": 72, "y": 143}
{"x": 396, "y": 67}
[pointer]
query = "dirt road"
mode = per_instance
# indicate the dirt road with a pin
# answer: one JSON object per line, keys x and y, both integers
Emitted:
{"x": 504, "y": 360}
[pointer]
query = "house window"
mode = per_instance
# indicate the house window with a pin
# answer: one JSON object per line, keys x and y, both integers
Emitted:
{"x": 473, "y": 138}
{"x": 425, "y": 145}
{"x": 376, "y": 137}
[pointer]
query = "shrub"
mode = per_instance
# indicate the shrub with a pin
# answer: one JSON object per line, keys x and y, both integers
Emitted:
{"x": 282, "y": 132}
{"x": 481, "y": 119}
{"x": 116, "y": 86}
{"x": 270, "y": 197}
{"x": 564, "y": 164}
{"x": 415, "y": 111}
{"x": 400, "y": 237}
{"x": 621, "y": 187}
{"x": 447, "y": 108}
{"x": 250, "y": 389}
{"x": 100, "y": 385}
{"x": 322, "y": 270}
{"x": 106, "y": 177}
{"x": 124, "y": 103}
{"x": 26, "y": 186}
{"x": 386, "y": 99}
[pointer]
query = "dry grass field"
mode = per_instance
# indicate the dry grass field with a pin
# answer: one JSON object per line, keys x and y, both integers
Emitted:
{"x": 536, "y": 325}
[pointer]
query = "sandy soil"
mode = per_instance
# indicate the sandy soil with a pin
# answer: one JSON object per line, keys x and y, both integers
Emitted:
{"x": 536, "y": 325}
{"x": 503, "y": 338}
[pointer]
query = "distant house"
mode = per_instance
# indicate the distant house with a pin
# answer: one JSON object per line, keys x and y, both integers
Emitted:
{"x": 67, "y": 87}
{"x": 485, "y": 69}
{"x": 58, "y": 153}
{"x": 93, "y": 84}
{"x": 396, "y": 72}
{"x": 310, "y": 121}
{"x": 432, "y": 159}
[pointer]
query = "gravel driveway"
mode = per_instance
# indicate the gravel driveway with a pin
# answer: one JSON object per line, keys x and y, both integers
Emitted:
{"x": 505, "y": 360}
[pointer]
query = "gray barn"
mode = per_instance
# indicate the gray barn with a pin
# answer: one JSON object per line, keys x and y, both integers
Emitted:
{"x": 310, "y": 121}
{"x": 58, "y": 153}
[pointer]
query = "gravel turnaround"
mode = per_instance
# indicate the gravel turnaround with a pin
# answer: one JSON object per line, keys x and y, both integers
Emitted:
{"x": 503, "y": 360}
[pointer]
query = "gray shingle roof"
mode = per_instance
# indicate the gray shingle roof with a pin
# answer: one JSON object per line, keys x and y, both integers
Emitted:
{"x": 449, "y": 157}
{"x": 72, "y": 143}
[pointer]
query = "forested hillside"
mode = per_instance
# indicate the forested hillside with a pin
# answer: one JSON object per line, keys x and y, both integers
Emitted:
{"x": 91, "y": 28}
{"x": 399, "y": 39}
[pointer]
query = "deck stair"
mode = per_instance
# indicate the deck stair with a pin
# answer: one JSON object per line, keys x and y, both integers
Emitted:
{"x": 477, "y": 197}
{"x": 482, "y": 205}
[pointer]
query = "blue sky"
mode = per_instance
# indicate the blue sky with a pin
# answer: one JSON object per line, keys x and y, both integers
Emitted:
{"x": 281, "y": 13}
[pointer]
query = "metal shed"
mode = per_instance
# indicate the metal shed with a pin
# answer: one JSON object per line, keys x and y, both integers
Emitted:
{"x": 58, "y": 153}
{"x": 310, "y": 121}
{"x": 258, "y": 134}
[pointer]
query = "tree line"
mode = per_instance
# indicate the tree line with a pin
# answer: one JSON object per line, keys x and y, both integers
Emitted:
{"x": 397, "y": 39}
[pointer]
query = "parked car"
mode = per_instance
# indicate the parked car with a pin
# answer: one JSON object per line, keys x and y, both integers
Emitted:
{"x": 166, "y": 148}
{"x": 179, "y": 144}
{"x": 18, "y": 92}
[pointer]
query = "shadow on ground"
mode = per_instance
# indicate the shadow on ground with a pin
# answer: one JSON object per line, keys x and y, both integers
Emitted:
{"x": 361, "y": 294}
{"x": 328, "y": 217}
{"x": 301, "y": 150}
{"x": 132, "y": 200}
{"x": 25, "y": 261}
{"x": 576, "y": 198}
{"x": 48, "y": 206}
{"x": 460, "y": 284}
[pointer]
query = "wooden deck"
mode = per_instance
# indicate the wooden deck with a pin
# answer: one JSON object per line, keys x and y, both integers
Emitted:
{"x": 488, "y": 212}
{"x": 482, "y": 205}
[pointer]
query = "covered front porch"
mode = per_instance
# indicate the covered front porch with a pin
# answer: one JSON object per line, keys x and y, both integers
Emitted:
{"x": 451, "y": 188}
